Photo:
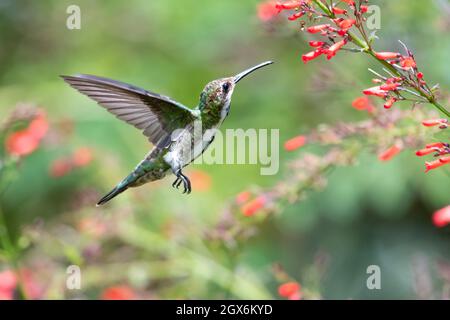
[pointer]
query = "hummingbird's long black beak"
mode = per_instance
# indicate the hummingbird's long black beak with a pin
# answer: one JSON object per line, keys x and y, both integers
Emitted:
{"x": 241, "y": 75}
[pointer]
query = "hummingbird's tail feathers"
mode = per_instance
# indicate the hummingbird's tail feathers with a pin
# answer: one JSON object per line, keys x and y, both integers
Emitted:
{"x": 113, "y": 193}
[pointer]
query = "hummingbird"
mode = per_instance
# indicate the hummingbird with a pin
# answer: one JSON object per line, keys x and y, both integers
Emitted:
{"x": 168, "y": 125}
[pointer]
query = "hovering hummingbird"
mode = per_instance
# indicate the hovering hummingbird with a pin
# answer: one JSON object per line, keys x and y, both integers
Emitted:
{"x": 169, "y": 125}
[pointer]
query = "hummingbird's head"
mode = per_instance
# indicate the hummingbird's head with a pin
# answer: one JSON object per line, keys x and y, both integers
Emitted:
{"x": 216, "y": 96}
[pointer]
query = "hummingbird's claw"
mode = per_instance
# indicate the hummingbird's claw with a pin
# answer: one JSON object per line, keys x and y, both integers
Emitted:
{"x": 181, "y": 178}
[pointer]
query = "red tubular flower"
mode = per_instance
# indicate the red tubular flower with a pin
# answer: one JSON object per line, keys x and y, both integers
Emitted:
{"x": 288, "y": 289}
{"x": 337, "y": 10}
{"x": 420, "y": 75}
{"x": 201, "y": 181}
{"x": 295, "y": 143}
{"x": 287, "y": 5}
{"x": 364, "y": 9}
{"x": 436, "y": 164}
{"x": 318, "y": 28}
{"x": 316, "y": 44}
{"x": 349, "y": 2}
{"x": 434, "y": 122}
{"x": 387, "y": 55}
{"x": 425, "y": 151}
{"x": 441, "y": 218}
{"x": 331, "y": 52}
{"x": 436, "y": 145}
{"x": 390, "y": 86}
{"x": 345, "y": 24}
{"x": 296, "y": 15}
{"x": 255, "y": 205}
{"x": 389, "y": 153}
{"x": 267, "y": 11}
{"x": 375, "y": 91}
{"x": 311, "y": 55}
{"x": 445, "y": 160}
{"x": 388, "y": 104}
{"x": 363, "y": 103}
{"x": 407, "y": 62}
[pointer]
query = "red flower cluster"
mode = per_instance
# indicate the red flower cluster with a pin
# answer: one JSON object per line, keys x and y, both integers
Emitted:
{"x": 24, "y": 142}
{"x": 335, "y": 33}
{"x": 9, "y": 282}
{"x": 290, "y": 290}
{"x": 439, "y": 149}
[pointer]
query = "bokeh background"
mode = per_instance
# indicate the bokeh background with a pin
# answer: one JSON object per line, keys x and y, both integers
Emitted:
{"x": 154, "y": 242}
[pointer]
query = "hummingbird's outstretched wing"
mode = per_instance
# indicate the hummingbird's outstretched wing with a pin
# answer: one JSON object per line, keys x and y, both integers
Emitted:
{"x": 158, "y": 116}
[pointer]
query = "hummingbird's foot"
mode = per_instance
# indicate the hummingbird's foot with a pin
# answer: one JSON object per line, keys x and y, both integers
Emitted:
{"x": 181, "y": 178}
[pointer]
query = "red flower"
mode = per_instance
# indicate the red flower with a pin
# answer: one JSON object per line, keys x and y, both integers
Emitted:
{"x": 390, "y": 86}
{"x": 434, "y": 122}
{"x": 390, "y": 102}
{"x": 243, "y": 197}
{"x": 436, "y": 163}
{"x": 60, "y": 167}
{"x": 38, "y": 127}
{"x": 24, "y": 142}
{"x": 389, "y": 153}
{"x": 118, "y": 293}
{"x": 250, "y": 208}
{"x": 331, "y": 52}
{"x": 311, "y": 55}
{"x": 316, "y": 43}
{"x": 424, "y": 152}
{"x": 289, "y": 289}
{"x": 436, "y": 145}
{"x": 345, "y": 24}
{"x": 295, "y": 143}
{"x": 349, "y": 2}
{"x": 8, "y": 282}
{"x": 267, "y": 10}
{"x": 407, "y": 62}
{"x": 363, "y": 103}
{"x": 337, "y": 10}
{"x": 442, "y": 217}
{"x": 296, "y": 16}
{"x": 318, "y": 28}
{"x": 364, "y": 9}
{"x": 21, "y": 143}
{"x": 420, "y": 75}
{"x": 387, "y": 55}
{"x": 82, "y": 157}
{"x": 375, "y": 91}
{"x": 201, "y": 181}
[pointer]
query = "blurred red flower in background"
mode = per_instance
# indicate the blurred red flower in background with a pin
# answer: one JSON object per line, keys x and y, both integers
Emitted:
{"x": 295, "y": 143}
{"x": 201, "y": 181}
{"x": 252, "y": 207}
{"x": 363, "y": 103}
{"x": 8, "y": 283}
{"x": 441, "y": 218}
{"x": 82, "y": 157}
{"x": 290, "y": 290}
{"x": 267, "y": 10}
{"x": 24, "y": 142}
{"x": 118, "y": 293}
{"x": 390, "y": 153}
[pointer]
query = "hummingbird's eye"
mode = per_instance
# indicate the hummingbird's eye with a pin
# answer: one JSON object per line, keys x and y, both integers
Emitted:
{"x": 226, "y": 87}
